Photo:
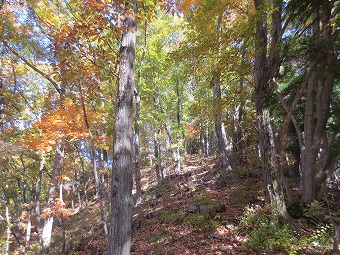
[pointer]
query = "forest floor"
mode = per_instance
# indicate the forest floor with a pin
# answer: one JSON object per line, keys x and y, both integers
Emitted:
{"x": 167, "y": 223}
{"x": 165, "y": 226}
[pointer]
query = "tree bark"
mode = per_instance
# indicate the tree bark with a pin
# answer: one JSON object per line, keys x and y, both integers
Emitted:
{"x": 8, "y": 229}
{"x": 157, "y": 151}
{"x": 220, "y": 133}
{"x": 217, "y": 104}
{"x": 104, "y": 161}
{"x": 316, "y": 150}
{"x": 121, "y": 186}
{"x": 138, "y": 176}
{"x": 2, "y": 104}
{"x": 52, "y": 194}
{"x": 37, "y": 195}
{"x": 263, "y": 74}
{"x": 94, "y": 167}
{"x": 137, "y": 153}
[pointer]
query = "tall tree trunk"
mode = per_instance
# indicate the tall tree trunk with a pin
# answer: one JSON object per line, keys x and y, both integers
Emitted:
{"x": 52, "y": 195}
{"x": 238, "y": 143}
{"x": 94, "y": 167}
{"x": 37, "y": 195}
{"x": 2, "y": 104}
{"x": 203, "y": 140}
{"x": 138, "y": 175}
{"x": 121, "y": 186}
{"x": 137, "y": 153}
{"x": 217, "y": 104}
{"x": 263, "y": 73}
{"x": 308, "y": 152}
{"x": 177, "y": 152}
{"x": 46, "y": 234}
{"x": 220, "y": 133}
{"x": 104, "y": 162}
{"x": 8, "y": 229}
{"x": 157, "y": 151}
{"x": 28, "y": 230}
{"x": 316, "y": 150}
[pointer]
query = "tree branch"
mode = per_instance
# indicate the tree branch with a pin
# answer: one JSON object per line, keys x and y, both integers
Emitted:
{"x": 47, "y": 77}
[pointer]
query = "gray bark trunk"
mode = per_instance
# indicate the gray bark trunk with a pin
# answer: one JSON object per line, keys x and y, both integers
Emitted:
{"x": 137, "y": 153}
{"x": 316, "y": 150}
{"x": 8, "y": 229}
{"x": 121, "y": 186}
{"x": 28, "y": 231}
{"x": 2, "y": 105}
{"x": 52, "y": 195}
{"x": 158, "y": 161}
{"x": 37, "y": 194}
{"x": 308, "y": 152}
{"x": 263, "y": 73}
{"x": 94, "y": 168}
{"x": 104, "y": 162}
{"x": 217, "y": 104}
{"x": 138, "y": 176}
{"x": 220, "y": 133}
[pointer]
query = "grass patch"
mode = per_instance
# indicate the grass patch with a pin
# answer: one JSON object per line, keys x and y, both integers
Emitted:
{"x": 172, "y": 217}
{"x": 206, "y": 222}
{"x": 267, "y": 233}
{"x": 241, "y": 195}
{"x": 159, "y": 236}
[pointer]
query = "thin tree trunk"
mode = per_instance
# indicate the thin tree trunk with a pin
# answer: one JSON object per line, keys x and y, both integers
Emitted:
{"x": 324, "y": 97}
{"x": 8, "y": 229}
{"x": 203, "y": 140}
{"x": 138, "y": 177}
{"x": 121, "y": 186}
{"x": 94, "y": 167}
{"x": 220, "y": 134}
{"x": 105, "y": 163}
{"x": 217, "y": 104}
{"x": 157, "y": 156}
{"x": 178, "y": 117}
{"x": 28, "y": 230}
{"x": 37, "y": 198}
{"x": 308, "y": 153}
{"x": 82, "y": 180}
{"x": 238, "y": 144}
{"x": 2, "y": 105}
{"x": 52, "y": 194}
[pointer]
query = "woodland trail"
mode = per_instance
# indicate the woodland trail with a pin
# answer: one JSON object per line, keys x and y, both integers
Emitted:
{"x": 162, "y": 226}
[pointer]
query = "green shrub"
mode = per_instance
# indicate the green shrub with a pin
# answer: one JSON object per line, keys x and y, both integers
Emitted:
{"x": 202, "y": 198}
{"x": 315, "y": 211}
{"x": 241, "y": 195}
{"x": 204, "y": 222}
{"x": 172, "y": 217}
{"x": 322, "y": 236}
{"x": 266, "y": 232}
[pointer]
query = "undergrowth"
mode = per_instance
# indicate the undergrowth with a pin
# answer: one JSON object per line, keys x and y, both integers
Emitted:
{"x": 268, "y": 233}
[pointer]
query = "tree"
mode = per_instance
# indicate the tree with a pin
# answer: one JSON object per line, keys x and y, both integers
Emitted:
{"x": 121, "y": 184}
{"x": 264, "y": 68}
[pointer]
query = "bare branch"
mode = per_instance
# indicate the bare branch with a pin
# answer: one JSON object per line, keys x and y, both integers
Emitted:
{"x": 46, "y": 76}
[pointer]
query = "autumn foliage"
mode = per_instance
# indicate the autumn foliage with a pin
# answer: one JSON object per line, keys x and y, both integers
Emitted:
{"x": 65, "y": 122}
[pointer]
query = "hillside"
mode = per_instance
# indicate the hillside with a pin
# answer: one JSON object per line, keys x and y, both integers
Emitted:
{"x": 170, "y": 221}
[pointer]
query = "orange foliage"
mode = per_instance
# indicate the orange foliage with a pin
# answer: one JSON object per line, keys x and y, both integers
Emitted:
{"x": 58, "y": 210}
{"x": 187, "y": 4}
{"x": 66, "y": 122}
{"x": 193, "y": 131}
